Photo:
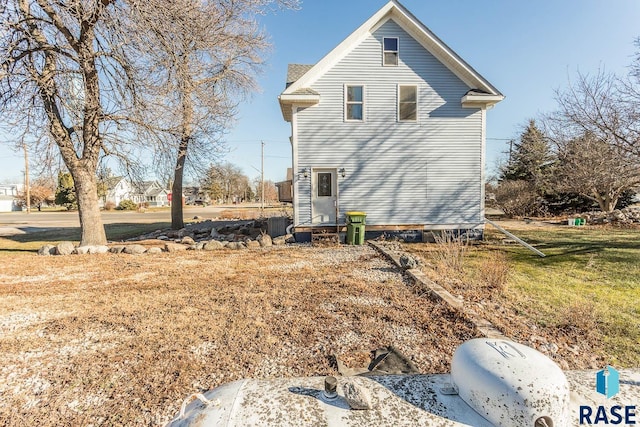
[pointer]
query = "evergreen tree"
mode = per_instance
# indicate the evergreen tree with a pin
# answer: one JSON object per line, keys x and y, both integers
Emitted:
{"x": 530, "y": 159}
{"x": 66, "y": 192}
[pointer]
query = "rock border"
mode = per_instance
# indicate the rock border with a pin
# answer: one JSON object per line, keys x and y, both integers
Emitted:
{"x": 409, "y": 265}
{"x": 202, "y": 235}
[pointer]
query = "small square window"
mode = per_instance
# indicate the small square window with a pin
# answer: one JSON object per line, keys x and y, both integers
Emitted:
{"x": 390, "y": 51}
{"x": 354, "y": 103}
{"x": 408, "y": 103}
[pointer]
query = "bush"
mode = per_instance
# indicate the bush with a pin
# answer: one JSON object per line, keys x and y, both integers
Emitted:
{"x": 493, "y": 273}
{"x": 109, "y": 206}
{"x": 450, "y": 252}
{"x": 127, "y": 205}
{"x": 519, "y": 198}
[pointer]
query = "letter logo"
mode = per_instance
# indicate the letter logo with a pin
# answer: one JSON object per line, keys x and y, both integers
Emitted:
{"x": 608, "y": 382}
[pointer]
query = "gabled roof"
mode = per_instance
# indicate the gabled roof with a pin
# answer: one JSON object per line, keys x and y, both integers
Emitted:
{"x": 112, "y": 181}
{"x": 300, "y": 78}
{"x": 295, "y": 71}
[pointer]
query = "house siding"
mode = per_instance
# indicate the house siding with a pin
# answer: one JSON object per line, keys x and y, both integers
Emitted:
{"x": 425, "y": 172}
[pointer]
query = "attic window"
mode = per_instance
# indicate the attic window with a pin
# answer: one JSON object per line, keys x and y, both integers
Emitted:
{"x": 390, "y": 51}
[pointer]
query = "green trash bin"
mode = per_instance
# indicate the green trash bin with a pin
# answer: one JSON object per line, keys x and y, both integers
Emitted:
{"x": 355, "y": 228}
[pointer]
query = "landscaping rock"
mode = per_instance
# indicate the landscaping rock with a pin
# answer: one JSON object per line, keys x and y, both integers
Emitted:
{"x": 81, "y": 250}
{"x": 46, "y": 250}
{"x": 134, "y": 249}
{"x": 99, "y": 249}
{"x": 357, "y": 397}
{"x": 236, "y": 245}
{"x": 200, "y": 245}
{"x": 629, "y": 215}
{"x": 188, "y": 240}
{"x": 64, "y": 248}
{"x": 265, "y": 240}
{"x": 279, "y": 241}
{"x": 174, "y": 247}
{"x": 252, "y": 244}
{"x": 162, "y": 237}
{"x": 408, "y": 262}
{"x": 154, "y": 250}
{"x": 116, "y": 249}
{"x": 213, "y": 245}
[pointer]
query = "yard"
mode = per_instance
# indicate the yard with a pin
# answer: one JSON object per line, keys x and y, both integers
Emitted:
{"x": 580, "y": 304}
{"x": 122, "y": 340}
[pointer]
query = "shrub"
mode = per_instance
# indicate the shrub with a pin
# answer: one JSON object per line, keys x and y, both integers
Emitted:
{"x": 518, "y": 198}
{"x": 127, "y": 205}
{"x": 494, "y": 272}
{"x": 450, "y": 252}
{"x": 109, "y": 206}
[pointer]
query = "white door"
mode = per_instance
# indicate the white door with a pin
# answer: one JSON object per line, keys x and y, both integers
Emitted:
{"x": 324, "y": 197}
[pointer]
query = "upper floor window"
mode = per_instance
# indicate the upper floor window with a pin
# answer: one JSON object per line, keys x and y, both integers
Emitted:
{"x": 407, "y": 103}
{"x": 354, "y": 100}
{"x": 390, "y": 51}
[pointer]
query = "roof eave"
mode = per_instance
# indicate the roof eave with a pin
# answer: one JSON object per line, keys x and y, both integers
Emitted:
{"x": 480, "y": 101}
{"x": 302, "y": 100}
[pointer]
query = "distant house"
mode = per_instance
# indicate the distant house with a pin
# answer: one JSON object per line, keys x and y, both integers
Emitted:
{"x": 390, "y": 122}
{"x": 195, "y": 196}
{"x": 9, "y": 197}
{"x": 150, "y": 193}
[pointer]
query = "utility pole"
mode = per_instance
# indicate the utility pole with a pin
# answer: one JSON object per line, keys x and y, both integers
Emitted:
{"x": 262, "y": 179}
{"x": 26, "y": 177}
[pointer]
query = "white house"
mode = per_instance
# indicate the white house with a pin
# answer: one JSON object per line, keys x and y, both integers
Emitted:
{"x": 390, "y": 122}
{"x": 9, "y": 197}
{"x": 151, "y": 193}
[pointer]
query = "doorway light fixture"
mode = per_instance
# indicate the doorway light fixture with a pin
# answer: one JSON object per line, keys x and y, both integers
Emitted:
{"x": 343, "y": 172}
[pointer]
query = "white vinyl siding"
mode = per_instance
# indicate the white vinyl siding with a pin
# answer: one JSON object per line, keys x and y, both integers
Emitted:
{"x": 428, "y": 172}
{"x": 407, "y": 103}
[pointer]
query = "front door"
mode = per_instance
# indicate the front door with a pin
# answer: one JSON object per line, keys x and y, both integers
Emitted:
{"x": 324, "y": 197}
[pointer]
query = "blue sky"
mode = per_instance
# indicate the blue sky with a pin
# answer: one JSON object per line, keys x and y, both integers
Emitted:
{"x": 525, "y": 49}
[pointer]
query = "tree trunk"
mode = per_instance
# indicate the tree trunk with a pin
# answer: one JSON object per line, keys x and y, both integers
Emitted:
{"x": 177, "y": 217}
{"x": 87, "y": 196}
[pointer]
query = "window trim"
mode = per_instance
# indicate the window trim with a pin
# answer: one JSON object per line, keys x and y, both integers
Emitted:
{"x": 417, "y": 88}
{"x": 397, "y": 52}
{"x": 347, "y": 102}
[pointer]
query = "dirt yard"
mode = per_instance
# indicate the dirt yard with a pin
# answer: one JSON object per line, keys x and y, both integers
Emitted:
{"x": 122, "y": 340}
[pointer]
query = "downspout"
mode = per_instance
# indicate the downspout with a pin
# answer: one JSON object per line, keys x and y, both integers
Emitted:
{"x": 294, "y": 157}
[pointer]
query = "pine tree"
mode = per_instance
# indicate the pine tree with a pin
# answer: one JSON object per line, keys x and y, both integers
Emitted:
{"x": 531, "y": 159}
{"x": 66, "y": 192}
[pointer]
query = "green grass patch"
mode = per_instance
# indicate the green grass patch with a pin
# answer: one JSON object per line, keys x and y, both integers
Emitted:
{"x": 583, "y": 296}
{"x": 589, "y": 282}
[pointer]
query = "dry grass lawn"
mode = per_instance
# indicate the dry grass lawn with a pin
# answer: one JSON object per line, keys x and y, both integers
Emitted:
{"x": 122, "y": 340}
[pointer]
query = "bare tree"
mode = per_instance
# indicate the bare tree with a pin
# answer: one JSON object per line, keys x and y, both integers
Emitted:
{"x": 64, "y": 70}
{"x": 597, "y": 169}
{"x": 202, "y": 60}
{"x": 603, "y": 105}
{"x": 225, "y": 182}
{"x": 270, "y": 190}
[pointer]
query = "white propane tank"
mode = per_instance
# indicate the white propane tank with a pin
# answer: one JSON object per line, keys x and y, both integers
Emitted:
{"x": 511, "y": 384}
